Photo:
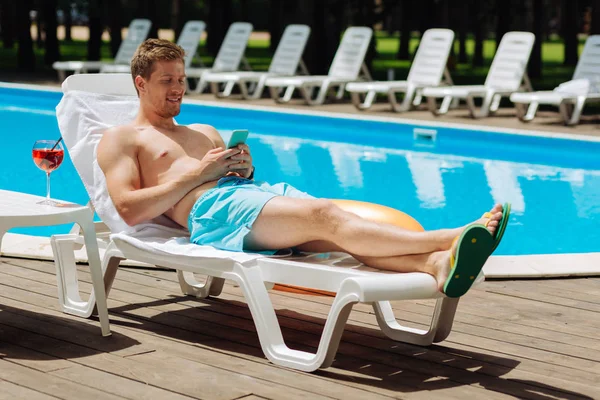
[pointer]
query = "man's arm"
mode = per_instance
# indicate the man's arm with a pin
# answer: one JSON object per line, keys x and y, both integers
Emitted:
{"x": 117, "y": 157}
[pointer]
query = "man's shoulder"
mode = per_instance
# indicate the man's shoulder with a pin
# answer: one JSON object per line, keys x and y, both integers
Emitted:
{"x": 120, "y": 133}
{"x": 203, "y": 128}
{"x": 207, "y": 130}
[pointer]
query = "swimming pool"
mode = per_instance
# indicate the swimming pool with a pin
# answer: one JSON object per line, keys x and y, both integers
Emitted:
{"x": 443, "y": 176}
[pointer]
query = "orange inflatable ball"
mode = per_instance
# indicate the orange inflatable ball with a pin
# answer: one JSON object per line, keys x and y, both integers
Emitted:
{"x": 379, "y": 213}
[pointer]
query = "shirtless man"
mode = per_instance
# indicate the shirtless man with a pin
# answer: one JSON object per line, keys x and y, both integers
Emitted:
{"x": 153, "y": 167}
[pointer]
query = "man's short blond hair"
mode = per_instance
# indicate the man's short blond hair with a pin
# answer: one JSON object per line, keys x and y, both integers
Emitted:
{"x": 152, "y": 50}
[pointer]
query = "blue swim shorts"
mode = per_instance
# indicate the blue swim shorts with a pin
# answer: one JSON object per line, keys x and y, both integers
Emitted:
{"x": 224, "y": 215}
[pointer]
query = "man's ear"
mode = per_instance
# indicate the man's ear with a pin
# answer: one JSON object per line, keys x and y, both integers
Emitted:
{"x": 140, "y": 84}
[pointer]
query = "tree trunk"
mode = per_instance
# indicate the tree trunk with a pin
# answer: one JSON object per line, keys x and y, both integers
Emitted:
{"x": 405, "y": 27}
{"x": 245, "y": 11}
{"x": 478, "y": 33}
{"x": 25, "y": 56}
{"x": 534, "y": 68}
{"x": 463, "y": 29}
{"x": 68, "y": 23}
{"x": 276, "y": 11}
{"x": 147, "y": 9}
{"x": 51, "y": 52}
{"x": 365, "y": 17}
{"x": 176, "y": 18}
{"x": 595, "y": 28}
{"x": 503, "y": 9}
{"x": 114, "y": 25}
{"x": 95, "y": 25}
{"x": 7, "y": 23}
{"x": 219, "y": 18}
{"x": 569, "y": 27}
{"x": 39, "y": 23}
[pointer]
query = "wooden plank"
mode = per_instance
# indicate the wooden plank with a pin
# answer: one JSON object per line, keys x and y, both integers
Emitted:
{"x": 530, "y": 339}
{"x": 428, "y": 368}
{"x": 559, "y": 375}
{"x": 404, "y": 374}
{"x": 10, "y": 391}
{"x": 237, "y": 366}
{"x": 31, "y": 359}
{"x": 48, "y": 384}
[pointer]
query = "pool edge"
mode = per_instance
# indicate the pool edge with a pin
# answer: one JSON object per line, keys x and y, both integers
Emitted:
{"x": 329, "y": 114}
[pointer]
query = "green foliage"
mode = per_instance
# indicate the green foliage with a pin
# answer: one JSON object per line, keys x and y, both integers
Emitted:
{"x": 259, "y": 56}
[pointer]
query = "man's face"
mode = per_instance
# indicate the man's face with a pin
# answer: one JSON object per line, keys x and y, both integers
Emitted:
{"x": 165, "y": 88}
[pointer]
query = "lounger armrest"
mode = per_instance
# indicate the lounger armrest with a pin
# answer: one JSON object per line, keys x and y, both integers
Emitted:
{"x": 385, "y": 287}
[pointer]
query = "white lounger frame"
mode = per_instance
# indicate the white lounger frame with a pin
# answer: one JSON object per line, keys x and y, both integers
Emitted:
{"x": 569, "y": 106}
{"x": 428, "y": 69}
{"x": 352, "y": 284}
{"x": 507, "y": 75}
{"x": 137, "y": 32}
{"x": 287, "y": 61}
{"x": 229, "y": 57}
{"x": 347, "y": 66}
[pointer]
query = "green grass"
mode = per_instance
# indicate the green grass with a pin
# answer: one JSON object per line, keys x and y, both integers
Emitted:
{"x": 259, "y": 57}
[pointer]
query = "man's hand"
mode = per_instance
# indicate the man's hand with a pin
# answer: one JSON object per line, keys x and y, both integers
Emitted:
{"x": 243, "y": 161}
{"x": 218, "y": 163}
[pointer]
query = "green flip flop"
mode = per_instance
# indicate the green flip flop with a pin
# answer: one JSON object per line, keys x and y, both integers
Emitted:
{"x": 472, "y": 251}
{"x": 502, "y": 225}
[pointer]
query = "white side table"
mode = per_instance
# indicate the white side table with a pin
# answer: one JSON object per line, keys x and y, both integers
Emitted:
{"x": 20, "y": 209}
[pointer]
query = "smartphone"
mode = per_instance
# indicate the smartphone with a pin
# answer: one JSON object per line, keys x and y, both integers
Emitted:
{"x": 237, "y": 137}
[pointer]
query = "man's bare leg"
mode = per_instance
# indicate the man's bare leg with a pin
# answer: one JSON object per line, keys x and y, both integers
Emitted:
{"x": 288, "y": 222}
{"x": 436, "y": 264}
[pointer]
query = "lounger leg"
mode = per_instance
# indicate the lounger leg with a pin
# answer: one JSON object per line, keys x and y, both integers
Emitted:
{"x": 68, "y": 284}
{"x": 439, "y": 329}
{"x": 406, "y": 102}
{"x": 2, "y": 232}
{"x": 566, "y": 111}
{"x": 274, "y": 91}
{"x": 359, "y": 103}
{"x": 191, "y": 287}
{"x": 258, "y": 90}
{"x": 269, "y": 331}
{"x": 321, "y": 95}
{"x": 577, "y": 110}
{"x": 531, "y": 110}
{"x": 495, "y": 103}
{"x": 524, "y": 113}
{"x": 485, "y": 106}
{"x": 418, "y": 98}
{"x": 433, "y": 107}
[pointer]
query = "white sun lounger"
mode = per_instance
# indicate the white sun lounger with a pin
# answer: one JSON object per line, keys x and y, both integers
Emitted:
{"x": 189, "y": 39}
{"x": 229, "y": 57}
{"x": 346, "y": 67}
{"x": 287, "y": 61}
{"x": 428, "y": 69}
{"x": 506, "y": 76}
{"x": 570, "y": 97}
{"x": 92, "y": 103}
{"x": 136, "y": 34}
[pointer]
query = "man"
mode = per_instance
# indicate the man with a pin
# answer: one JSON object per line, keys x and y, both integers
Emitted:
{"x": 153, "y": 167}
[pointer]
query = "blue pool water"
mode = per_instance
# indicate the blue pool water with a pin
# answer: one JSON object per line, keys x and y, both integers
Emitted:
{"x": 553, "y": 184}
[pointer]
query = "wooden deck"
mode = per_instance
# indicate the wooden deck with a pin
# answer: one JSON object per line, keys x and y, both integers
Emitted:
{"x": 511, "y": 339}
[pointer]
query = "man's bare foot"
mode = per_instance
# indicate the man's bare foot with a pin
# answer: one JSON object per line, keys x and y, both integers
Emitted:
{"x": 492, "y": 221}
{"x": 440, "y": 266}
{"x": 440, "y": 263}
